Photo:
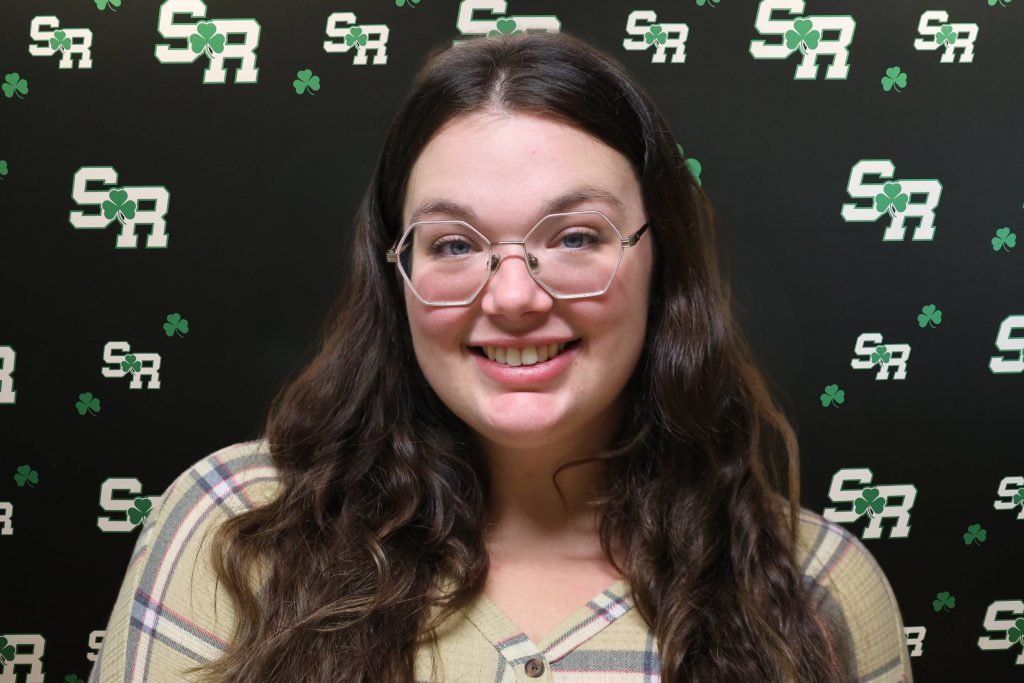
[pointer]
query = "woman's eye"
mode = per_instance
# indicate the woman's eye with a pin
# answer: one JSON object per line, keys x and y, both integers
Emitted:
{"x": 576, "y": 240}
{"x": 452, "y": 246}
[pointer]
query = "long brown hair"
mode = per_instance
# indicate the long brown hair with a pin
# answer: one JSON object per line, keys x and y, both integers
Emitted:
{"x": 382, "y": 487}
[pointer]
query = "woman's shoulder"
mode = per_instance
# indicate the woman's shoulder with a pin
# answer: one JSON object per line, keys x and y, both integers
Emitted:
{"x": 854, "y": 592}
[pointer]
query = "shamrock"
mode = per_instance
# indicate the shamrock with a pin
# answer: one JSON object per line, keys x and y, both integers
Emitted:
{"x": 894, "y": 78}
{"x": 692, "y": 164}
{"x": 102, "y": 4}
{"x": 206, "y": 38}
{"x": 929, "y": 315}
{"x": 175, "y": 323}
{"x": 87, "y": 403}
{"x": 880, "y": 355}
{"x": 131, "y": 364}
{"x": 801, "y": 36}
{"x": 891, "y": 198}
{"x": 26, "y": 475}
{"x": 306, "y": 80}
{"x": 1018, "y": 497}
{"x": 942, "y": 601}
{"x": 833, "y": 395}
{"x": 1016, "y": 632}
{"x": 119, "y": 206}
{"x": 412, "y": 3}
{"x": 1004, "y": 3}
{"x": 709, "y": 3}
{"x": 14, "y": 83}
{"x": 140, "y": 512}
{"x": 60, "y": 41}
{"x": 946, "y": 34}
{"x": 869, "y": 502}
{"x": 72, "y": 678}
{"x": 656, "y": 35}
{"x": 1004, "y": 240}
{"x": 506, "y": 27}
{"x": 355, "y": 35}
{"x": 975, "y": 534}
{"x": 3, "y": 168}
{"x": 7, "y": 651}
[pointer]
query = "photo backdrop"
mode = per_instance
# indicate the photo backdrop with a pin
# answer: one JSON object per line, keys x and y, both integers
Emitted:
{"x": 178, "y": 180}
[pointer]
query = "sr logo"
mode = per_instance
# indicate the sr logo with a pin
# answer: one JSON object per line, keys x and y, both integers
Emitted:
{"x": 119, "y": 355}
{"x": 870, "y": 351}
{"x": 939, "y": 34}
{"x": 664, "y": 37}
{"x": 69, "y": 42}
{"x": 122, "y": 204}
{"x": 214, "y": 39}
{"x": 363, "y": 37}
{"x": 470, "y": 21}
{"x": 1009, "y": 629}
{"x": 826, "y": 35}
{"x": 876, "y": 502}
{"x": 1009, "y": 345}
{"x": 898, "y": 199}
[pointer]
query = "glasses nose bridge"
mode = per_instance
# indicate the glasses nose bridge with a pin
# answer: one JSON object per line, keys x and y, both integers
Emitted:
{"x": 497, "y": 258}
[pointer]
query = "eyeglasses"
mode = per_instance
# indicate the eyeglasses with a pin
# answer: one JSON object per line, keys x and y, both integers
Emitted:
{"x": 571, "y": 255}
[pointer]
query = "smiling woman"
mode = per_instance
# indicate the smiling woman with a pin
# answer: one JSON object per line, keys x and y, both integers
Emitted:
{"x": 533, "y": 443}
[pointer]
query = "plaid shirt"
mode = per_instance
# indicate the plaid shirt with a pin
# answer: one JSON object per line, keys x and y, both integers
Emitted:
{"x": 164, "y": 620}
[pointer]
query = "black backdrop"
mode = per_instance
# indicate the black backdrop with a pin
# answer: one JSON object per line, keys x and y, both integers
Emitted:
{"x": 261, "y": 182}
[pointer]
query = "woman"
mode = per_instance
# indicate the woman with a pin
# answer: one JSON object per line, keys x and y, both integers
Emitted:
{"x": 533, "y": 443}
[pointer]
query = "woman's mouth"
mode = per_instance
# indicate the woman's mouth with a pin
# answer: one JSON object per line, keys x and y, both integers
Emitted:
{"x": 523, "y": 355}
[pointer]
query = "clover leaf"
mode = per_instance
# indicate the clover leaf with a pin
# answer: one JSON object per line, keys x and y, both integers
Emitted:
{"x": 412, "y": 3}
{"x": 1004, "y": 3}
{"x": 892, "y": 198}
{"x": 73, "y": 678}
{"x": 117, "y": 205}
{"x": 975, "y": 534}
{"x": 869, "y": 502}
{"x": 305, "y": 82}
{"x": 60, "y": 41}
{"x": 3, "y": 167}
{"x": 176, "y": 324}
{"x": 943, "y": 601}
{"x": 833, "y": 396}
{"x": 802, "y": 36}
{"x": 14, "y": 84}
{"x": 140, "y": 511}
{"x": 894, "y": 78}
{"x": 656, "y": 35}
{"x": 26, "y": 475}
{"x": 355, "y": 35}
{"x": 1004, "y": 240}
{"x": 7, "y": 650}
{"x": 131, "y": 364}
{"x": 880, "y": 355}
{"x": 207, "y": 39}
{"x": 1018, "y": 497}
{"x": 692, "y": 164}
{"x": 709, "y": 3}
{"x": 946, "y": 34}
{"x": 929, "y": 315}
{"x": 103, "y": 4}
{"x": 1016, "y": 632}
{"x": 506, "y": 27}
{"x": 87, "y": 403}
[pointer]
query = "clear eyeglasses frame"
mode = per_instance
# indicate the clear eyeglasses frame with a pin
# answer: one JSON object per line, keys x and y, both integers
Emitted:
{"x": 494, "y": 260}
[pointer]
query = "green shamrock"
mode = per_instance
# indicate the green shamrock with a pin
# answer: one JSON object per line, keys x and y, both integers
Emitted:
{"x": 943, "y": 601}
{"x": 656, "y": 35}
{"x": 7, "y": 650}
{"x": 506, "y": 27}
{"x": 975, "y": 534}
{"x": 14, "y": 83}
{"x": 1004, "y": 240}
{"x": 709, "y": 3}
{"x": 102, "y": 4}
{"x": 130, "y": 364}
{"x": 891, "y": 198}
{"x": 880, "y": 355}
{"x": 140, "y": 512}
{"x": 412, "y": 3}
{"x": 833, "y": 396}
{"x": 801, "y": 36}
{"x": 206, "y": 38}
{"x": 869, "y": 502}
{"x": 72, "y": 678}
{"x": 894, "y": 78}
{"x": 355, "y": 35}
{"x": 60, "y": 41}
{"x": 175, "y": 323}
{"x": 929, "y": 315}
{"x": 118, "y": 206}
{"x": 3, "y": 167}
{"x": 1018, "y": 497}
{"x": 692, "y": 164}
{"x": 1016, "y": 632}
{"x": 26, "y": 475}
{"x": 1004, "y": 3}
{"x": 946, "y": 34}
{"x": 305, "y": 81}
{"x": 87, "y": 403}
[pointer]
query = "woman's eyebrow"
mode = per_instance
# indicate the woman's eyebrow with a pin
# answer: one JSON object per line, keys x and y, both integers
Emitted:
{"x": 555, "y": 205}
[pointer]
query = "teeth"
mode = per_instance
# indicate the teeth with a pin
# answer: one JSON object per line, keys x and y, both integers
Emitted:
{"x": 527, "y": 355}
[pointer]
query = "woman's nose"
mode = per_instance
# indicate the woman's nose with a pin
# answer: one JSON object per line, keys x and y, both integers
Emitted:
{"x": 511, "y": 290}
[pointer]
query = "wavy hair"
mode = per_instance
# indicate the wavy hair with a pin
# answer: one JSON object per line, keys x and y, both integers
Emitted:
{"x": 376, "y": 534}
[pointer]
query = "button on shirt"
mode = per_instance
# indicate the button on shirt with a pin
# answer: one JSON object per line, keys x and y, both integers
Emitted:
{"x": 164, "y": 620}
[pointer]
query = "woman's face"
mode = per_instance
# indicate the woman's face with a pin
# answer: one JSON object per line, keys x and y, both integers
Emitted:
{"x": 505, "y": 169}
